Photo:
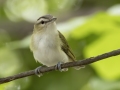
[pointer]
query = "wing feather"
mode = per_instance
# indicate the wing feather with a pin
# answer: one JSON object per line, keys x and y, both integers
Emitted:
{"x": 65, "y": 47}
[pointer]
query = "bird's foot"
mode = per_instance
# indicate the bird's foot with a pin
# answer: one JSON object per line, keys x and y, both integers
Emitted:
{"x": 37, "y": 71}
{"x": 58, "y": 67}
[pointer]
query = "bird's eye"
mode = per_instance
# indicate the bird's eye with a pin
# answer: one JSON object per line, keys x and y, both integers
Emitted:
{"x": 42, "y": 22}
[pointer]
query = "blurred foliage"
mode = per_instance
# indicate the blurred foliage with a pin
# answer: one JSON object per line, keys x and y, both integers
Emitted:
{"x": 102, "y": 31}
{"x": 100, "y": 3}
{"x": 9, "y": 63}
{"x": 88, "y": 36}
{"x": 62, "y": 6}
{"x": 30, "y": 10}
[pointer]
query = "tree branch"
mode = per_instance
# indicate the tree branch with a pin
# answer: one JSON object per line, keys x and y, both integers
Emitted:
{"x": 65, "y": 65}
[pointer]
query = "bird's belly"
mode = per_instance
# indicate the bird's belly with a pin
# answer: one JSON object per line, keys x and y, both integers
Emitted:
{"x": 50, "y": 57}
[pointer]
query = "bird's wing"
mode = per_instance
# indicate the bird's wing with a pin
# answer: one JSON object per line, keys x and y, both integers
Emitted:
{"x": 65, "y": 47}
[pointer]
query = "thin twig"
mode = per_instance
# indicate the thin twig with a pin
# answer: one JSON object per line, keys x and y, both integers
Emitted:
{"x": 65, "y": 65}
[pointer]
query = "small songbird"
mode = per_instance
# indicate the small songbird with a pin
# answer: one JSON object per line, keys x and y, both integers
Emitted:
{"x": 48, "y": 45}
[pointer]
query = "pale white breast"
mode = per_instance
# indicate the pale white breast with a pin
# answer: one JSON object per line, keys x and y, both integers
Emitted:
{"x": 48, "y": 50}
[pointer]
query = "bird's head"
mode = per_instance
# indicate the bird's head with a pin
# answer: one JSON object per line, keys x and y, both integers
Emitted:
{"x": 44, "y": 22}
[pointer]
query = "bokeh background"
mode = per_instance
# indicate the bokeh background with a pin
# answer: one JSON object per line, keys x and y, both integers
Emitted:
{"x": 92, "y": 27}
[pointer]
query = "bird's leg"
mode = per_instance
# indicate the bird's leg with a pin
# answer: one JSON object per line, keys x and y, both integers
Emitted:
{"x": 58, "y": 67}
{"x": 37, "y": 71}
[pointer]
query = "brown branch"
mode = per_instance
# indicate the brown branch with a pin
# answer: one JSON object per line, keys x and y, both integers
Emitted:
{"x": 65, "y": 65}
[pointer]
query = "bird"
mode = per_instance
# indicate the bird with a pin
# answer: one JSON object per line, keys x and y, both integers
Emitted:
{"x": 48, "y": 45}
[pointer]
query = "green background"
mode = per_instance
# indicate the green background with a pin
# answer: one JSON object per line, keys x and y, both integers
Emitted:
{"x": 90, "y": 27}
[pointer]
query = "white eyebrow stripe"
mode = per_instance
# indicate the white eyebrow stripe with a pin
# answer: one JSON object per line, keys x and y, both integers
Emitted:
{"x": 43, "y": 19}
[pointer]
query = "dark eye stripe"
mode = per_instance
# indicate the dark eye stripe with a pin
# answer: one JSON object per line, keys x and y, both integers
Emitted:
{"x": 44, "y": 22}
{"x": 41, "y": 22}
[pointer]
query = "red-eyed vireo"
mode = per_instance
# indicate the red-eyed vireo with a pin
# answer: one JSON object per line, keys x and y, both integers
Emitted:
{"x": 48, "y": 45}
